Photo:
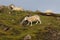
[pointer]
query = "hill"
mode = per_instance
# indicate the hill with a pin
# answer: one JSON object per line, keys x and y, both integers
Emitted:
{"x": 11, "y": 29}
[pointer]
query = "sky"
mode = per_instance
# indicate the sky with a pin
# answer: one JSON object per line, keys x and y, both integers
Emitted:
{"x": 41, "y": 5}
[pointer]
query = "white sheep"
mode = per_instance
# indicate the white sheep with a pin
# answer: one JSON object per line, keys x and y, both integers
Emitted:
{"x": 17, "y": 8}
{"x": 32, "y": 19}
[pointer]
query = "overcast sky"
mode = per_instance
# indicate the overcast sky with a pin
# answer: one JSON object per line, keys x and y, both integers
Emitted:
{"x": 41, "y": 5}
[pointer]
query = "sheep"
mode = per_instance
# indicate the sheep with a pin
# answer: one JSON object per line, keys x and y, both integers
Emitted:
{"x": 31, "y": 19}
{"x": 16, "y": 8}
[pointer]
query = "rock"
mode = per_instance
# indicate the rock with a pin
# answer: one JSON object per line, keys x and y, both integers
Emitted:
{"x": 27, "y": 37}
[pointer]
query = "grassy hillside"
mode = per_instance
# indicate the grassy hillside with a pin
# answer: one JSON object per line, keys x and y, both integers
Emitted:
{"x": 11, "y": 29}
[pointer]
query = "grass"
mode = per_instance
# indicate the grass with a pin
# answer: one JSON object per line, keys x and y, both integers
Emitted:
{"x": 18, "y": 31}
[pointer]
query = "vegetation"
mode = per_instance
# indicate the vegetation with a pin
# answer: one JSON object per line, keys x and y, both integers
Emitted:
{"x": 11, "y": 29}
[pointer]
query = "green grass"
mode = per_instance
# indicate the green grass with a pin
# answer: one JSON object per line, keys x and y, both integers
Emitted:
{"x": 18, "y": 31}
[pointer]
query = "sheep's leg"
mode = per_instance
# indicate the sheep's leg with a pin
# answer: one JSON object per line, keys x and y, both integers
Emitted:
{"x": 28, "y": 23}
{"x": 39, "y": 21}
{"x": 31, "y": 23}
{"x": 36, "y": 22}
